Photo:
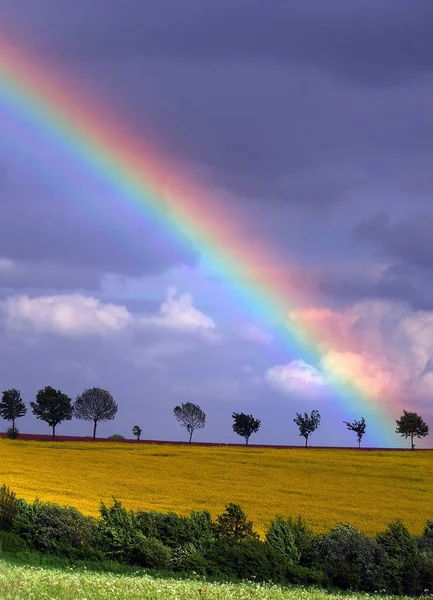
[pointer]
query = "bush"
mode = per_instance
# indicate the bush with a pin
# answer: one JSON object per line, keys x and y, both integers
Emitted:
{"x": 350, "y": 559}
{"x": 201, "y": 531}
{"x": 247, "y": 559}
{"x": 116, "y": 436}
{"x": 233, "y": 524}
{"x": 9, "y": 507}
{"x": 54, "y": 529}
{"x": 425, "y": 542}
{"x": 304, "y": 541}
{"x": 169, "y": 528}
{"x": 10, "y": 542}
{"x": 298, "y": 574}
{"x": 123, "y": 540}
{"x": 12, "y": 433}
{"x": 280, "y": 536}
{"x": 403, "y": 557}
{"x": 188, "y": 558}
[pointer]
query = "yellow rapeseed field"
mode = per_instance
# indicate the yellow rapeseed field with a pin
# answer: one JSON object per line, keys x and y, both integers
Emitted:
{"x": 367, "y": 489}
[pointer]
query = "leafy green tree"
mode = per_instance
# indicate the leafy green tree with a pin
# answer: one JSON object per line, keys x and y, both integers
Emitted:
{"x": 358, "y": 427}
{"x": 245, "y": 425}
{"x": 52, "y": 406}
{"x": 411, "y": 425}
{"x": 281, "y": 537}
{"x": 190, "y": 416}
{"x": 12, "y": 407}
{"x": 136, "y": 431}
{"x": 307, "y": 424}
{"x": 95, "y": 405}
{"x": 233, "y": 524}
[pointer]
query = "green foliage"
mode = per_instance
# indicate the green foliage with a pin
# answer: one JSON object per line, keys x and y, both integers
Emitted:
{"x": 190, "y": 416}
{"x": 304, "y": 540}
{"x": 169, "y": 528}
{"x": 12, "y": 407}
{"x": 403, "y": 558}
{"x": 350, "y": 559}
{"x": 307, "y": 424}
{"x": 411, "y": 425}
{"x": 9, "y": 507}
{"x": 11, "y": 542}
{"x": 136, "y": 431}
{"x": 52, "y": 406}
{"x": 201, "y": 531}
{"x": 248, "y": 559}
{"x": 245, "y": 425}
{"x": 58, "y": 530}
{"x": 12, "y": 433}
{"x": 280, "y": 536}
{"x": 233, "y": 524}
{"x": 425, "y": 542}
{"x": 116, "y": 436}
{"x": 122, "y": 539}
{"x": 358, "y": 427}
{"x": 95, "y": 405}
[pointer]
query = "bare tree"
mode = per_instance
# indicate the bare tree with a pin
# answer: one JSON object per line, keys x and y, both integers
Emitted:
{"x": 95, "y": 405}
{"x": 190, "y": 416}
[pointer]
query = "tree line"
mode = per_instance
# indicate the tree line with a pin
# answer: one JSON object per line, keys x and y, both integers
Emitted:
{"x": 96, "y": 404}
{"x": 192, "y": 417}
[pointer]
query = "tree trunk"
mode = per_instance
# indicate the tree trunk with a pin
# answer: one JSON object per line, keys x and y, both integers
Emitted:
{"x": 54, "y": 432}
{"x": 190, "y": 436}
{"x": 306, "y": 441}
{"x": 246, "y": 441}
{"x": 94, "y": 429}
{"x": 411, "y": 442}
{"x": 138, "y": 438}
{"x": 359, "y": 443}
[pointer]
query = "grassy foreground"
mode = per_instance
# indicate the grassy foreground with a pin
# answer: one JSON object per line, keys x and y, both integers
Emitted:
{"x": 18, "y": 582}
{"x": 366, "y": 489}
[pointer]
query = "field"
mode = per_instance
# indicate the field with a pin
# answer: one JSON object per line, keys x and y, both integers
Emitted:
{"x": 367, "y": 489}
{"x": 37, "y": 583}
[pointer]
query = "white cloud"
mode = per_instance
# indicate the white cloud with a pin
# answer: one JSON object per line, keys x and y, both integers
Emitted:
{"x": 179, "y": 312}
{"x": 296, "y": 376}
{"x": 65, "y": 314}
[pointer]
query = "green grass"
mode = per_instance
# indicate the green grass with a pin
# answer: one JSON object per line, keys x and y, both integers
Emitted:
{"x": 34, "y": 577}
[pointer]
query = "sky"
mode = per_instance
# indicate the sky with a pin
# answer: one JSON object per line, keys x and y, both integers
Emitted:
{"x": 311, "y": 124}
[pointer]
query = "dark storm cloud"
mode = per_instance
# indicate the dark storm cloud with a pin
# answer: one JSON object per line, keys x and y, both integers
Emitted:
{"x": 373, "y": 40}
{"x": 409, "y": 240}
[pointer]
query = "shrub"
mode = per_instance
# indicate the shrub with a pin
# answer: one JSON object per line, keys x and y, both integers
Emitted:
{"x": 116, "y": 436}
{"x": 425, "y": 542}
{"x": 12, "y": 433}
{"x": 280, "y": 536}
{"x": 10, "y": 542}
{"x": 350, "y": 559}
{"x": 200, "y": 528}
{"x": 188, "y": 558}
{"x": 9, "y": 507}
{"x": 169, "y": 528}
{"x": 54, "y": 529}
{"x": 298, "y": 574}
{"x": 304, "y": 541}
{"x": 233, "y": 524}
{"x": 403, "y": 557}
{"x": 122, "y": 539}
{"x": 426, "y": 572}
{"x": 247, "y": 559}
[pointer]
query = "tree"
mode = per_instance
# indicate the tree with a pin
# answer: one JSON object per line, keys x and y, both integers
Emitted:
{"x": 136, "y": 430}
{"x": 245, "y": 425}
{"x": 95, "y": 405}
{"x": 307, "y": 424}
{"x": 12, "y": 407}
{"x": 52, "y": 406}
{"x": 190, "y": 416}
{"x": 358, "y": 427}
{"x": 411, "y": 425}
{"x": 233, "y": 524}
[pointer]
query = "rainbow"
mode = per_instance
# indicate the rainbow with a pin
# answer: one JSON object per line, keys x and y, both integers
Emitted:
{"x": 33, "y": 94}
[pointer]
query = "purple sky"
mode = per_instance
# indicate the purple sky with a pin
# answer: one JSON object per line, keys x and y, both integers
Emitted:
{"x": 314, "y": 120}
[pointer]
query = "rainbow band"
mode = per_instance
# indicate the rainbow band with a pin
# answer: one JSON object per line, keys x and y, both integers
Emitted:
{"x": 32, "y": 93}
